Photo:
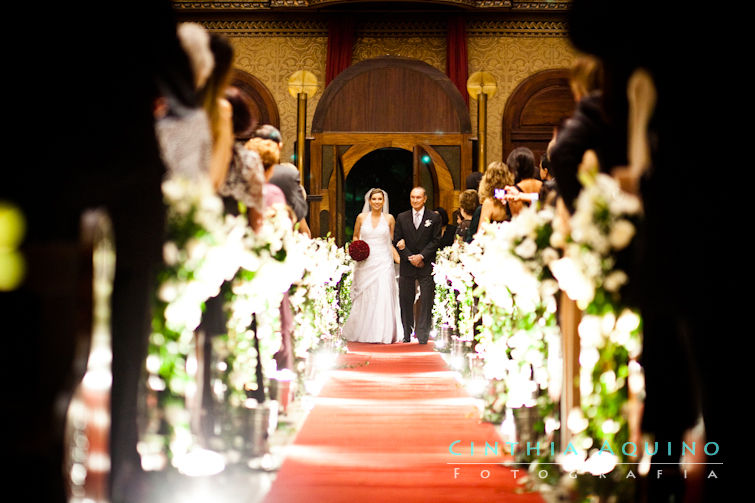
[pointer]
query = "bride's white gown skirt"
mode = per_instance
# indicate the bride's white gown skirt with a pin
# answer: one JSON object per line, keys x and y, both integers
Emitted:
{"x": 375, "y": 315}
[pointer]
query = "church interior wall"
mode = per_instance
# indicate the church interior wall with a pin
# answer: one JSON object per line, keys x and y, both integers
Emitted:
{"x": 510, "y": 58}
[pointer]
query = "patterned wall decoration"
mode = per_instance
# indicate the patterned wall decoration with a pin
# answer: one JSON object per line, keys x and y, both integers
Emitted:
{"x": 510, "y": 58}
{"x": 430, "y": 50}
{"x": 273, "y": 60}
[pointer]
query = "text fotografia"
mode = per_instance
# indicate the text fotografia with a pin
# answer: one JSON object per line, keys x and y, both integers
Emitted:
{"x": 597, "y": 462}
{"x": 544, "y": 473}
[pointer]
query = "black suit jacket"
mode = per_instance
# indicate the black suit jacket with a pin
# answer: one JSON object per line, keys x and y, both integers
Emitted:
{"x": 423, "y": 241}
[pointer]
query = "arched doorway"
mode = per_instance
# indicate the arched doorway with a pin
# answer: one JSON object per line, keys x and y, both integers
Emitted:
{"x": 538, "y": 104}
{"x": 387, "y": 168}
{"x": 428, "y": 169}
{"x": 257, "y": 97}
{"x": 387, "y": 103}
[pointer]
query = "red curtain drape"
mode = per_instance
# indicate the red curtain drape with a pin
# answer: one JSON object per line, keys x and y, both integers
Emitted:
{"x": 340, "y": 47}
{"x": 456, "y": 55}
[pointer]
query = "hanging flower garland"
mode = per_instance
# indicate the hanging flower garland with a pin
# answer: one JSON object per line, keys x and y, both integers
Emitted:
{"x": 601, "y": 230}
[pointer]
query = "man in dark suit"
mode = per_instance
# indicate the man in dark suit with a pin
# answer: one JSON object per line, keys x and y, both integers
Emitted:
{"x": 416, "y": 237}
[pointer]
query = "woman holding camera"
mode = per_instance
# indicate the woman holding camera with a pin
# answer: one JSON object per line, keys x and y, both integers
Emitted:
{"x": 492, "y": 193}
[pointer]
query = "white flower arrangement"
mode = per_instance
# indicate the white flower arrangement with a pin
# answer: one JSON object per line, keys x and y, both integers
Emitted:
{"x": 454, "y": 299}
{"x": 203, "y": 250}
{"x": 513, "y": 258}
{"x": 313, "y": 297}
{"x": 603, "y": 225}
{"x": 600, "y": 227}
{"x": 507, "y": 267}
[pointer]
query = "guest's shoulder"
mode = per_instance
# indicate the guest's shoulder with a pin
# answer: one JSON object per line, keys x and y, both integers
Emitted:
{"x": 530, "y": 185}
{"x": 288, "y": 167}
{"x": 285, "y": 170}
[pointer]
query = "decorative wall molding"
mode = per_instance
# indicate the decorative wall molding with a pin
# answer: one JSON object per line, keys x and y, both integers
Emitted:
{"x": 302, "y": 5}
{"x": 379, "y": 28}
{"x": 220, "y": 5}
{"x": 514, "y": 28}
{"x": 386, "y": 28}
{"x": 268, "y": 28}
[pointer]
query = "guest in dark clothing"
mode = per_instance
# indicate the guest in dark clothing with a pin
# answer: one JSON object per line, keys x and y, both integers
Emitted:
{"x": 549, "y": 190}
{"x": 686, "y": 309}
{"x": 456, "y": 217}
{"x": 521, "y": 162}
{"x": 545, "y": 166}
{"x": 473, "y": 180}
{"x": 447, "y": 231}
{"x": 468, "y": 203}
{"x": 589, "y": 128}
{"x": 106, "y": 156}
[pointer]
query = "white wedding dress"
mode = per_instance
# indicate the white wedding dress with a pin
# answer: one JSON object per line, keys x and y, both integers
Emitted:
{"x": 375, "y": 315}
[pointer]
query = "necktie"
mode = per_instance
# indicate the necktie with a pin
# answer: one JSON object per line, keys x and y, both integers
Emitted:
{"x": 417, "y": 218}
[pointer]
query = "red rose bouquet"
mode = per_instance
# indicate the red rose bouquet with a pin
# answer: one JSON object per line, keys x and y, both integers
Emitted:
{"x": 359, "y": 250}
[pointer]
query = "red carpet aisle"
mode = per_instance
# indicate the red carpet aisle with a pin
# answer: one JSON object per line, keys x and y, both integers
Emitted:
{"x": 380, "y": 431}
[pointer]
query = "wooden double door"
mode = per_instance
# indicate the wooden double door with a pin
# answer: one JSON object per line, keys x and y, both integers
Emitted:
{"x": 437, "y": 162}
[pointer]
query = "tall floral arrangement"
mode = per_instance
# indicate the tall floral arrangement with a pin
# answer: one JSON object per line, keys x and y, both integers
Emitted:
{"x": 315, "y": 297}
{"x": 344, "y": 295}
{"x": 600, "y": 231}
{"x": 519, "y": 338}
{"x": 272, "y": 262}
{"x": 203, "y": 249}
{"x": 453, "y": 287}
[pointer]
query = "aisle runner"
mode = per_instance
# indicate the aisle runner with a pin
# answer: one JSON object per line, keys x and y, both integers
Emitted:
{"x": 380, "y": 432}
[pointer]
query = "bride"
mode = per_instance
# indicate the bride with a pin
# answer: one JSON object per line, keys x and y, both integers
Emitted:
{"x": 375, "y": 315}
